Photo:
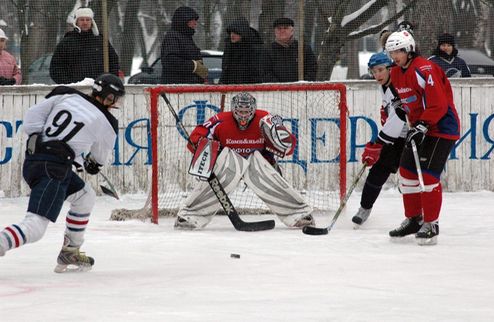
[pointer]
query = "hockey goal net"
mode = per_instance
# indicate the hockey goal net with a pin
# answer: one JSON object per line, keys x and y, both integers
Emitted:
{"x": 314, "y": 112}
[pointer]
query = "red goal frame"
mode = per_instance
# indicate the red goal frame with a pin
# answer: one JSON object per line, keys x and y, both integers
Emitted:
{"x": 155, "y": 92}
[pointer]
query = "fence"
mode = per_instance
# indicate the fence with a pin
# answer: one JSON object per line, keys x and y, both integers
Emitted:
{"x": 469, "y": 168}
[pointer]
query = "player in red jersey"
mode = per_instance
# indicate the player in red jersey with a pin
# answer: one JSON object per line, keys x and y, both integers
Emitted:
{"x": 249, "y": 139}
{"x": 427, "y": 104}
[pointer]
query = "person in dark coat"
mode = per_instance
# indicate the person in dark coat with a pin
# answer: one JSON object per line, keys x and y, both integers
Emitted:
{"x": 180, "y": 57}
{"x": 446, "y": 56}
{"x": 242, "y": 55}
{"x": 79, "y": 54}
{"x": 281, "y": 60}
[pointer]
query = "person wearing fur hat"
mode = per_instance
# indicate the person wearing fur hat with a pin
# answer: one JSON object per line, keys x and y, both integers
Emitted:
{"x": 79, "y": 54}
{"x": 446, "y": 56}
{"x": 180, "y": 57}
{"x": 10, "y": 74}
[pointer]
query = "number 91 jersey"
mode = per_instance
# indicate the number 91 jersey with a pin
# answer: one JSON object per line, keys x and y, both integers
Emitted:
{"x": 78, "y": 120}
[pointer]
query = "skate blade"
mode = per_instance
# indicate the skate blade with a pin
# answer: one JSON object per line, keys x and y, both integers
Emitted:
{"x": 356, "y": 226}
{"x": 401, "y": 240}
{"x": 62, "y": 268}
{"x": 427, "y": 241}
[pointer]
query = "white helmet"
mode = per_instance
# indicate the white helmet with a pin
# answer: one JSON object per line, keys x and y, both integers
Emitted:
{"x": 400, "y": 40}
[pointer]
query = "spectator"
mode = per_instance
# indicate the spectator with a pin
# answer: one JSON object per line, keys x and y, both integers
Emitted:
{"x": 79, "y": 54}
{"x": 445, "y": 55}
{"x": 180, "y": 57}
{"x": 281, "y": 60}
{"x": 242, "y": 56}
{"x": 10, "y": 74}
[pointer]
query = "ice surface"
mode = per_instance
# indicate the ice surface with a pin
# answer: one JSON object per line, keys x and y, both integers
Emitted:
{"x": 146, "y": 272}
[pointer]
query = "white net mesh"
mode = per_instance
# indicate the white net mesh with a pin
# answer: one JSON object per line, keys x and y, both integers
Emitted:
{"x": 310, "y": 112}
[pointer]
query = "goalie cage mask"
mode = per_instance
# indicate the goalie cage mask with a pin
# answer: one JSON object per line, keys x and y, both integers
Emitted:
{"x": 243, "y": 109}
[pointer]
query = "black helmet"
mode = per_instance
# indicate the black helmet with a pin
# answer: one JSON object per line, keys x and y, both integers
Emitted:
{"x": 107, "y": 84}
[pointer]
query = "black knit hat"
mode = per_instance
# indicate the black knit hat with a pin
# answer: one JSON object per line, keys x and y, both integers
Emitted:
{"x": 283, "y": 22}
{"x": 446, "y": 39}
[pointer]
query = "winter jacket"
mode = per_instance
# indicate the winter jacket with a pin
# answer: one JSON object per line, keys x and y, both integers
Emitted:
{"x": 242, "y": 61}
{"x": 79, "y": 55}
{"x": 178, "y": 50}
{"x": 452, "y": 65}
{"x": 281, "y": 63}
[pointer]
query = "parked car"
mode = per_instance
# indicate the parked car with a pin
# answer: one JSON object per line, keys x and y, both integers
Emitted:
{"x": 479, "y": 63}
{"x": 39, "y": 70}
{"x": 152, "y": 75}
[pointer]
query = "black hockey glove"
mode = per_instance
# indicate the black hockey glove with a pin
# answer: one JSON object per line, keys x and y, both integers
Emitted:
{"x": 7, "y": 81}
{"x": 91, "y": 166}
{"x": 417, "y": 133}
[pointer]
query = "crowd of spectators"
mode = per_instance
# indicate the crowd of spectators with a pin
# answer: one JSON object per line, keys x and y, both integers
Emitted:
{"x": 246, "y": 58}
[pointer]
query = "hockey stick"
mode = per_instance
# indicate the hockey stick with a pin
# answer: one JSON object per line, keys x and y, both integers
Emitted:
{"x": 310, "y": 230}
{"x": 219, "y": 191}
{"x": 110, "y": 190}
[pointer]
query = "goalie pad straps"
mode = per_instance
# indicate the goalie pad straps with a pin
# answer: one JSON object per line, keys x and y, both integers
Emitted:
{"x": 229, "y": 168}
{"x": 280, "y": 197}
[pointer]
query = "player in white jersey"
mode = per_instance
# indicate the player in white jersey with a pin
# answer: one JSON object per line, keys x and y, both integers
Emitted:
{"x": 67, "y": 128}
{"x": 393, "y": 134}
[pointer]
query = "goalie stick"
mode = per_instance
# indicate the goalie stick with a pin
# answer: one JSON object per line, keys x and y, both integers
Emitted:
{"x": 219, "y": 191}
{"x": 310, "y": 230}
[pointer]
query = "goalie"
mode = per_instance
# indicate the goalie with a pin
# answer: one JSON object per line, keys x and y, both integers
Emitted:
{"x": 245, "y": 141}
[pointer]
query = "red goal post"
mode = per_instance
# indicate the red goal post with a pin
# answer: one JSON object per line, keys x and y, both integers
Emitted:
{"x": 315, "y": 112}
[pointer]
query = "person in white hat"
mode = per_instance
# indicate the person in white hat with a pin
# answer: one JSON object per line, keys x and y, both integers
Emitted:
{"x": 10, "y": 74}
{"x": 79, "y": 54}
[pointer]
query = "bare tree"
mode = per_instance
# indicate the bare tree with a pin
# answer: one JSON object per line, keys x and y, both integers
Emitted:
{"x": 340, "y": 28}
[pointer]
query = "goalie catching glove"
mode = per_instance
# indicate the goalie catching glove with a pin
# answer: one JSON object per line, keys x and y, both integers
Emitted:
{"x": 278, "y": 140}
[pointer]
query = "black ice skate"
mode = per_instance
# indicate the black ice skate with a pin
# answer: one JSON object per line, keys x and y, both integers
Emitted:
{"x": 408, "y": 226}
{"x": 361, "y": 216}
{"x": 71, "y": 259}
{"x": 427, "y": 235}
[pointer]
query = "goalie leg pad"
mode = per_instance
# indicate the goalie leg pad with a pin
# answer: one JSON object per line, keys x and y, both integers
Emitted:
{"x": 229, "y": 169}
{"x": 280, "y": 197}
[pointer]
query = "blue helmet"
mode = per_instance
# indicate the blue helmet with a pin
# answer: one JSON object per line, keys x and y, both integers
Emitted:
{"x": 380, "y": 58}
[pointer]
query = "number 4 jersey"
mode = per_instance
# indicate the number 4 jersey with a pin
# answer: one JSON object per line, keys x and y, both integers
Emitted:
{"x": 426, "y": 95}
{"x": 77, "y": 119}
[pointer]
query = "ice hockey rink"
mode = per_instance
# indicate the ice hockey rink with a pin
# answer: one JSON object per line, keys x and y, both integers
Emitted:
{"x": 146, "y": 272}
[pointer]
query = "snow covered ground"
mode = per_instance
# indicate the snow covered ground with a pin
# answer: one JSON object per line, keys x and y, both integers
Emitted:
{"x": 146, "y": 272}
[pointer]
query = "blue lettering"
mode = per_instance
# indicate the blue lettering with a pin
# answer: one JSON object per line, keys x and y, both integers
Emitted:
{"x": 353, "y": 135}
{"x": 485, "y": 130}
{"x": 8, "y": 150}
{"x": 473, "y": 132}
{"x": 129, "y": 139}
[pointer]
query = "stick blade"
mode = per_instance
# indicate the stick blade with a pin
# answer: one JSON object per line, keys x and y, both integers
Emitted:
{"x": 254, "y": 226}
{"x": 109, "y": 192}
{"x": 310, "y": 230}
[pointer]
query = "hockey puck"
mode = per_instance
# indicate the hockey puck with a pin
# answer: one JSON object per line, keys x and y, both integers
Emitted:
{"x": 235, "y": 255}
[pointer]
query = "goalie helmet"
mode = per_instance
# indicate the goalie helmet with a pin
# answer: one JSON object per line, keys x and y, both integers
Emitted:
{"x": 106, "y": 85}
{"x": 400, "y": 40}
{"x": 243, "y": 109}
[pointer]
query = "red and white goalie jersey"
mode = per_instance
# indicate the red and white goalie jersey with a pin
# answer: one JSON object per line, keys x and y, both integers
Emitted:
{"x": 224, "y": 128}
